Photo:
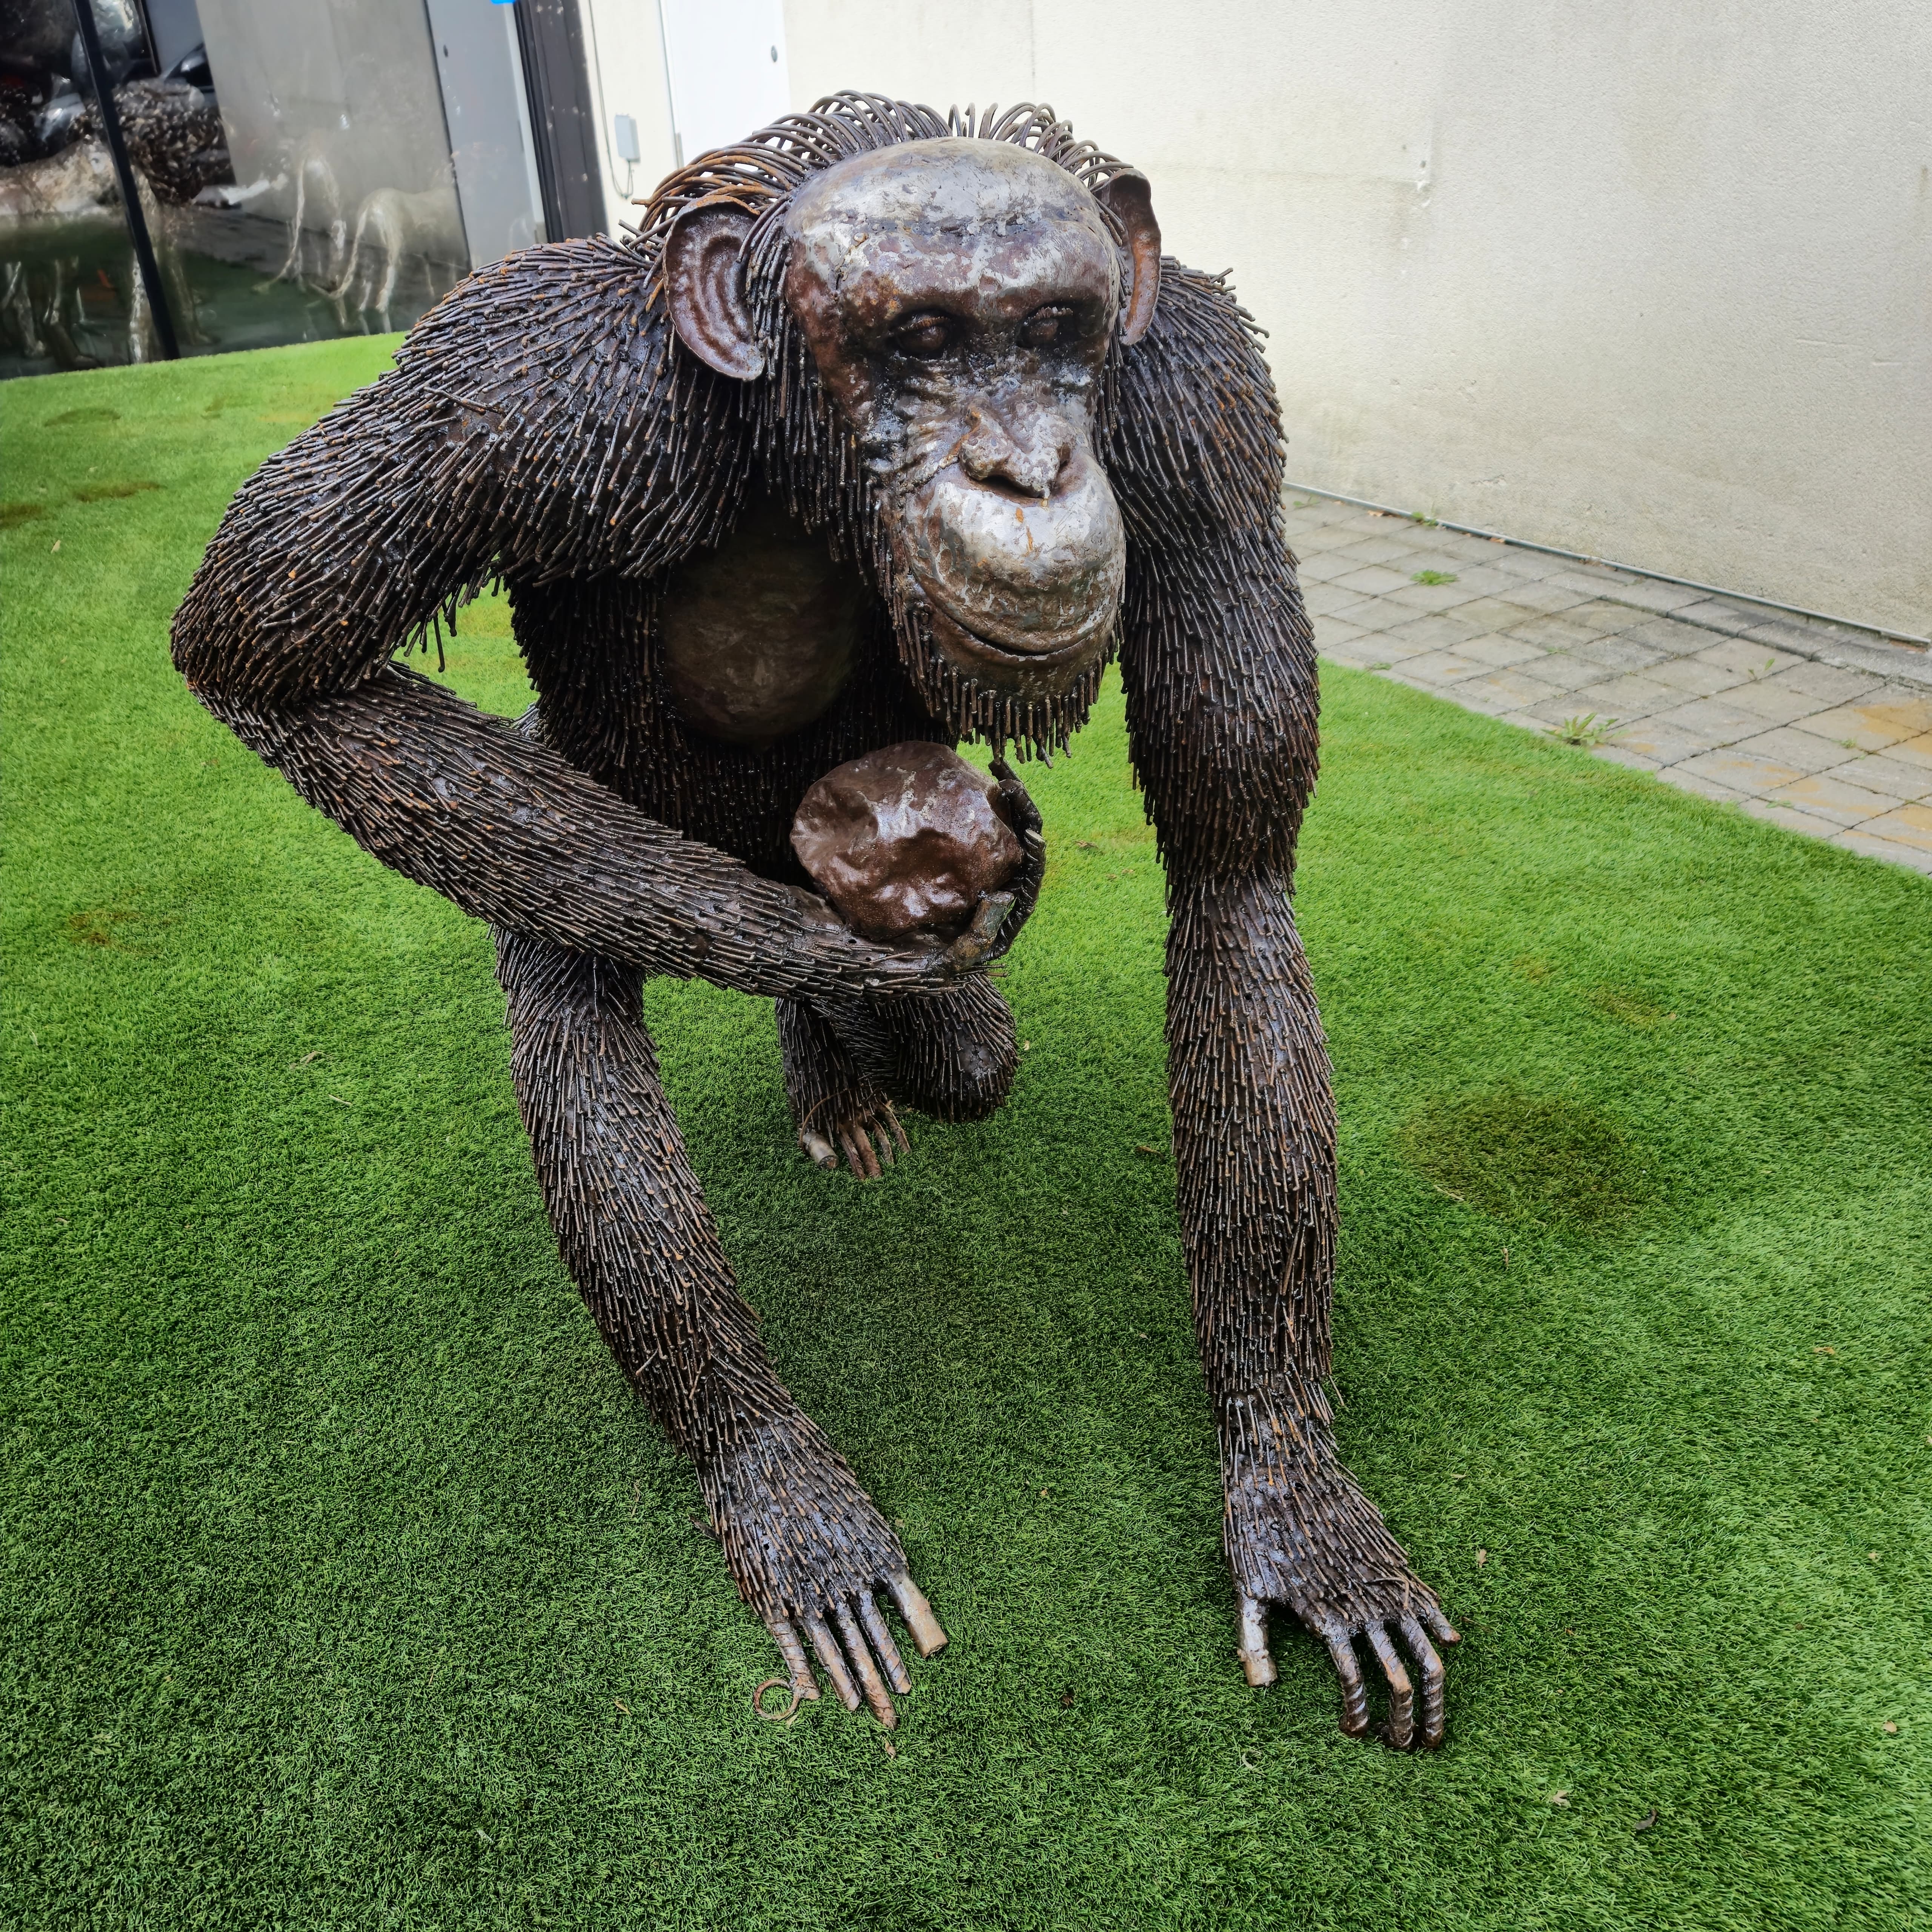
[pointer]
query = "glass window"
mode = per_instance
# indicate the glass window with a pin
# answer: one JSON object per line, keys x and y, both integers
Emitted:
{"x": 307, "y": 169}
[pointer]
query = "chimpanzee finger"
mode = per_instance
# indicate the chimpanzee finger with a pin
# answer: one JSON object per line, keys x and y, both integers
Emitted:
{"x": 1402, "y": 1693}
{"x": 859, "y": 1154}
{"x": 883, "y": 1647}
{"x": 1354, "y": 1692}
{"x": 1014, "y": 802}
{"x": 1444, "y": 1631}
{"x": 803, "y": 1683}
{"x": 1423, "y": 1651}
{"x": 877, "y": 1131}
{"x": 980, "y": 942}
{"x": 1256, "y": 1664}
{"x": 929, "y": 1639}
{"x": 831, "y": 1663}
{"x": 1023, "y": 886}
{"x": 866, "y": 1670}
{"x": 899, "y": 1132}
{"x": 1023, "y": 815}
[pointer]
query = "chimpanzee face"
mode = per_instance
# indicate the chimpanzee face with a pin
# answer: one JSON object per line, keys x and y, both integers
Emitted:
{"x": 958, "y": 297}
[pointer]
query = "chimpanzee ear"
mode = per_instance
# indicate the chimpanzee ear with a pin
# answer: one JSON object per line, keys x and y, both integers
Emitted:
{"x": 1126, "y": 197}
{"x": 704, "y": 285}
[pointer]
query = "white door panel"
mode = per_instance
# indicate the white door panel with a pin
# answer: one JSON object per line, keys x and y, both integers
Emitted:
{"x": 727, "y": 59}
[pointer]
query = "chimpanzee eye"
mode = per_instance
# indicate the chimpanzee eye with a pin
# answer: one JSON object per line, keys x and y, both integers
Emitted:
{"x": 924, "y": 336}
{"x": 1045, "y": 326}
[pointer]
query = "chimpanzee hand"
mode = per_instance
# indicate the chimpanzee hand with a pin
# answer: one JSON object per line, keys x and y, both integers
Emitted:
{"x": 996, "y": 924}
{"x": 1013, "y": 804}
{"x": 808, "y": 1549}
{"x": 1299, "y": 1534}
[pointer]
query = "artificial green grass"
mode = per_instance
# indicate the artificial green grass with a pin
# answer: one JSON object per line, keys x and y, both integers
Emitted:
{"x": 345, "y": 1584}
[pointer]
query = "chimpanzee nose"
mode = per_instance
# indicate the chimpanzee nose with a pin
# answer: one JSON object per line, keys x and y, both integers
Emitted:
{"x": 1031, "y": 462}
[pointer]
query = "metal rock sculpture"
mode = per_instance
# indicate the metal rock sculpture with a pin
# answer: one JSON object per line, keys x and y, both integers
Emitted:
{"x": 905, "y": 840}
{"x": 885, "y": 426}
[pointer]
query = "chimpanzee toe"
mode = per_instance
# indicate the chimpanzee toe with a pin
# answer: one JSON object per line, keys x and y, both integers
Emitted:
{"x": 869, "y": 1138}
{"x": 855, "y": 1650}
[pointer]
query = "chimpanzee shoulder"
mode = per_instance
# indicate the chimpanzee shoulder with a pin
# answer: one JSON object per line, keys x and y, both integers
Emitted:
{"x": 1216, "y": 654}
{"x": 1193, "y": 439}
{"x": 553, "y": 381}
{"x": 538, "y": 424}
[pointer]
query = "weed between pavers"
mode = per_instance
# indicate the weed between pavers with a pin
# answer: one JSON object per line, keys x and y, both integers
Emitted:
{"x": 1588, "y": 731}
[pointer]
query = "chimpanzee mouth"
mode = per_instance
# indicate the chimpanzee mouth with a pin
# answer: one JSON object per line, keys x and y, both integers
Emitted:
{"x": 1032, "y": 650}
{"x": 1023, "y": 594}
{"x": 986, "y": 689}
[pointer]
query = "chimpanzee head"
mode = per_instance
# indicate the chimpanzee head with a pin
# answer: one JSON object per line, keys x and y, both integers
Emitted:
{"x": 942, "y": 309}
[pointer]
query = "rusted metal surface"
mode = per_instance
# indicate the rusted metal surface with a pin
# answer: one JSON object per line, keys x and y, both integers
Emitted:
{"x": 174, "y": 135}
{"x": 760, "y": 635}
{"x": 948, "y": 353}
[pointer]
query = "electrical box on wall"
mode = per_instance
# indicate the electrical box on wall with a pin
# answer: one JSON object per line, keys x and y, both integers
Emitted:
{"x": 626, "y": 127}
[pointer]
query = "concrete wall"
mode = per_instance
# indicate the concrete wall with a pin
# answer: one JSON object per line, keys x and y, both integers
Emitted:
{"x": 626, "y": 46}
{"x": 731, "y": 78}
{"x": 1651, "y": 281}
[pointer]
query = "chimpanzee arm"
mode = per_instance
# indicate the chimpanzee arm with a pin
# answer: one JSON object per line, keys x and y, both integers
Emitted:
{"x": 1218, "y": 661}
{"x": 539, "y": 421}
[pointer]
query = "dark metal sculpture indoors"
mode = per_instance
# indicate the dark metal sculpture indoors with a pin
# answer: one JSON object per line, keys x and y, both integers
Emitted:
{"x": 885, "y": 428}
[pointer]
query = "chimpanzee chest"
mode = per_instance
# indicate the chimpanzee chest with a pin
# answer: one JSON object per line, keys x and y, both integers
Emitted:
{"x": 758, "y": 637}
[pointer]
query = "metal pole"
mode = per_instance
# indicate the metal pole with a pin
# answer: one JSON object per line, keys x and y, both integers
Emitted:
{"x": 543, "y": 129}
{"x": 124, "y": 170}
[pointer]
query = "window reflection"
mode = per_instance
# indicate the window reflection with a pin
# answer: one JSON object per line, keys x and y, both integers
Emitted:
{"x": 307, "y": 169}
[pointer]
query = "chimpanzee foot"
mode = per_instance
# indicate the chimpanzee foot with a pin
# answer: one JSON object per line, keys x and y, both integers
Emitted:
{"x": 855, "y": 1649}
{"x": 841, "y": 1112}
{"x": 1309, "y": 1540}
{"x": 1406, "y": 1729}
{"x": 809, "y": 1550}
{"x": 865, "y": 1130}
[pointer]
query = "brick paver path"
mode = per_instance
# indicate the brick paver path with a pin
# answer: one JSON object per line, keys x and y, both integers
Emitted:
{"x": 1823, "y": 731}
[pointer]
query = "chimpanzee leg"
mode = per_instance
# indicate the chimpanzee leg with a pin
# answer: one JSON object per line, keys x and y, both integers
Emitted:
{"x": 1254, "y": 1141}
{"x": 951, "y": 1055}
{"x": 839, "y": 1108}
{"x": 804, "y": 1542}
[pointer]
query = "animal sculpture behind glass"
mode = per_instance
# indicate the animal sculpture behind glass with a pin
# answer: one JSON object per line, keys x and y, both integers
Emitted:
{"x": 394, "y": 230}
{"x": 41, "y": 307}
{"x": 309, "y": 162}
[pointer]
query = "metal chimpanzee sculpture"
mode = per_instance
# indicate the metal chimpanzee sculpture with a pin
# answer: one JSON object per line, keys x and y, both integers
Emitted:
{"x": 884, "y": 428}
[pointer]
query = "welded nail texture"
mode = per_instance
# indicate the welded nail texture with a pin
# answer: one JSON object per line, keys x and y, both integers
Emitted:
{"x": 544, "y": 428}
